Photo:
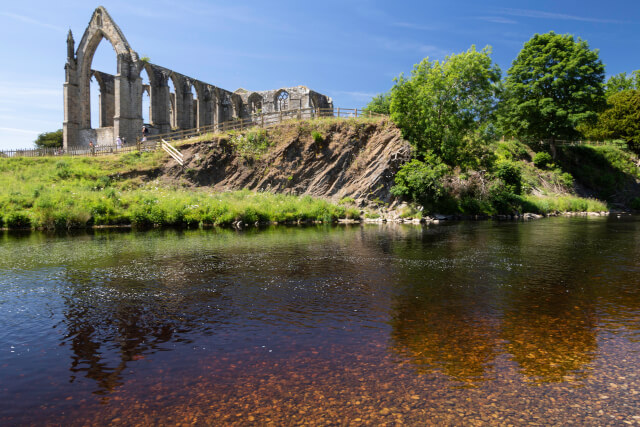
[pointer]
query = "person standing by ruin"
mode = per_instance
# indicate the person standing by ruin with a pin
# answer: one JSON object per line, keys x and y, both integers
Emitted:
{"x": 92, "y": 148}
{"x": 118, "y": 143}
{"x": 145, "y": 133}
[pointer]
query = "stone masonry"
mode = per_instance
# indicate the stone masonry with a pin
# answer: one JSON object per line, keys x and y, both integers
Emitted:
{"x": 121, "y": 95}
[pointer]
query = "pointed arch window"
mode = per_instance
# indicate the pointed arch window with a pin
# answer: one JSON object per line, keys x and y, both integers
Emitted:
{"x": 283, "y": 100}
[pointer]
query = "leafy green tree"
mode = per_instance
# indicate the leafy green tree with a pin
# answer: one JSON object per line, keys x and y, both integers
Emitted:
{"x": 621, "y": 82}
{"x": 49, "y": 139}
{"x": 421, "y": 181}
{"x": 446, "y": 105}
{"x": 380, "y": 104}
{"x": 554, "y": 84}
{"x": 622, "y": 119}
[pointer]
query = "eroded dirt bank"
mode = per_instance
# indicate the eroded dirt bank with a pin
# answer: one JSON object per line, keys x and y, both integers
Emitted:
{"x": 323, "y": 159}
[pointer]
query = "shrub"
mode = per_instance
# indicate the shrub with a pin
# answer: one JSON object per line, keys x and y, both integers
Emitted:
{"x": 346, "y": 201}
{"x": 317, "y": 137}
{"x": 252, "y": 144}
{"x": 542, "y": 160}
{"x": 502, "y": 198}
{"x": 420, "y": 181}
{"x": 511, "y": 150}
{"x": 18, "y": 220}
{"x": 635, "y": 204}
{"x": 352, "y": 213}
{"x": 510, "y": 174}
{"x": 567, "y": 179}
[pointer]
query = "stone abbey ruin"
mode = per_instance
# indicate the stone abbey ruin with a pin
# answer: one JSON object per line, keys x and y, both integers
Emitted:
{"x": 120, "y": 100}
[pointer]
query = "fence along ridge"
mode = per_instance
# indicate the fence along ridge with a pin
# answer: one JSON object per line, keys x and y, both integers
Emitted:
{"x": 153, "y": 142}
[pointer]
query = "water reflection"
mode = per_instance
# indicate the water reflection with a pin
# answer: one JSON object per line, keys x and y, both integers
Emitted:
{"x": 520, "y": 291}
{"x": 456, "y": 340}
{"x": 472, "y": 303}
{"x": 103, "y": 346}
{"x": 152, "y": 295}
{"x": 551, "y": 346}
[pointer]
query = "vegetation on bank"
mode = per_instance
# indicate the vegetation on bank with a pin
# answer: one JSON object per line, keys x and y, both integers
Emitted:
{"x": 61, "y": 193}
{"x": 456, "y": 114}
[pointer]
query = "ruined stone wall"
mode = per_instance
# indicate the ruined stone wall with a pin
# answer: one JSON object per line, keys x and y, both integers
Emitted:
{"x": 121, "y": 95}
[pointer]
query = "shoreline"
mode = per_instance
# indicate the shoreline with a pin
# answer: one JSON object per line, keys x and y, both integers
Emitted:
{"x": 434, "y": 219}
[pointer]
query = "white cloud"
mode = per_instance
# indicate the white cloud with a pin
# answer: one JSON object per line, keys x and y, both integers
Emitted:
{"x": 27, "y": 20}
{"x": 29, "y": 131}
{"x": 411, "y": 26}
{"x": 404, "y": 46}
{"x": 497, "y": 20}
{"x": 528, "y": 13}
{"x": 355, "y": 95}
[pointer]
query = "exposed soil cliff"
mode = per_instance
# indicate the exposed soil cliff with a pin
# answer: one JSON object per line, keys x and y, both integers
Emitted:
{"x": 331, "y": 159}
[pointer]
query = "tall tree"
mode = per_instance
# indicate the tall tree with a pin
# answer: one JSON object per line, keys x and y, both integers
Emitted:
{"x": 444, "y": 103}
{"x": 554, "y": 84}
{"x": 622, "y": 119}
{"x": 621, "y": 82}
{"x": 49, "y": 139}
{"x": 379, "y": 104}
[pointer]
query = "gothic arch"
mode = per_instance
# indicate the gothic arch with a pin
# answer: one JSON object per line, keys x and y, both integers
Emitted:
{"x": 236, "y": 101}
{"x": 101, "y": 26}
{"x": 175, "y": 98}
{"x": 281, "y": 100}
{"x": 255, "y": 103}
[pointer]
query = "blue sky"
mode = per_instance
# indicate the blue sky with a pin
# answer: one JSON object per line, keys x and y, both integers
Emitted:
{"x": 349, "y": 49}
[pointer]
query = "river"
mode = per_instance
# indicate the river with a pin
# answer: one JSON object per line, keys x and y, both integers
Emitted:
{"x": 463, "y": 323}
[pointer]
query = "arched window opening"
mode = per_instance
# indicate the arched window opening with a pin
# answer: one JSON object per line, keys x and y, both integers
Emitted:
{"x": 194, "y": 107}
{"x": 283, "y": 101}
{"x": 227, "y": 110}
{"x": 94, "y": 101}
{"x": 172, "y": 104}
{"x": 255, "y": 104}
{"x": 101, "y": 93}
{"x": 146, "y": 97}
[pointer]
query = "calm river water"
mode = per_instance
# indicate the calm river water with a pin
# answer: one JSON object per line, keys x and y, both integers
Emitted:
{"x": 463, "y": 323}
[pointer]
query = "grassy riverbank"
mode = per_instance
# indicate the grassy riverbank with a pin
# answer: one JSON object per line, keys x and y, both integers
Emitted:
{"x": 147, "y": 189}
{"x": 60, "y": 193}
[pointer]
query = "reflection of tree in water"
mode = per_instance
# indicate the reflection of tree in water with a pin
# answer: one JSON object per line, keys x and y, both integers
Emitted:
{"x": 550, "y": 336}
{"x": 460, "y": 340}
{"x": 445, "y": 319}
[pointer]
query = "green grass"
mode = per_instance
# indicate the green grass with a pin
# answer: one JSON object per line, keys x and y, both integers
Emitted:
{"x": 62, "y": 193}
{"x": 250, "y": 144}
{"x": 547, "y": 204}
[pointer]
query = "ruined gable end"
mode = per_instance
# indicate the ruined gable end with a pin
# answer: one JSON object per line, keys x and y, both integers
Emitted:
{"x": 176, "y": 101}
